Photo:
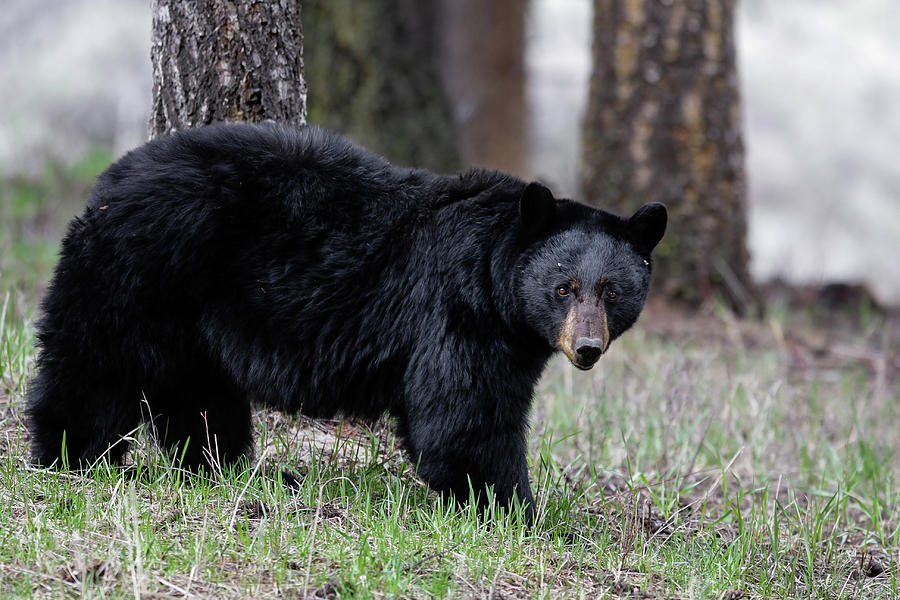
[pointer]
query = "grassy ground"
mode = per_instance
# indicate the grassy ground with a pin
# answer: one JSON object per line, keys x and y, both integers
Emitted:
{"x": 703, "y": 458}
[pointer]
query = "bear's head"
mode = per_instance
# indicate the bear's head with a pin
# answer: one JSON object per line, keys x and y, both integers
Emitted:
{"x": 585, "y": 273}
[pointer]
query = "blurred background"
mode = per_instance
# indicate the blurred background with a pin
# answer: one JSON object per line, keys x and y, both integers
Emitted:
{"x": 819, "y": 85}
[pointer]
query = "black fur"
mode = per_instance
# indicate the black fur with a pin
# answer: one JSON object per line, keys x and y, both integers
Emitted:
{"x": 240, "y": 263}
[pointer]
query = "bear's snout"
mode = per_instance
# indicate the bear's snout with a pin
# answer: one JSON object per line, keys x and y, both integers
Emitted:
{"x": 588, "y": 351}
{"x": 584, "y": 335}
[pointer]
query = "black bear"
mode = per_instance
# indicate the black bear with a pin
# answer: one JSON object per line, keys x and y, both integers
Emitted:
{"x": 241, "y": 263}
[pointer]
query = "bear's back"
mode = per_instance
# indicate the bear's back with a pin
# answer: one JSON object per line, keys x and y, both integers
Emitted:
{"x": 292, "y": 173}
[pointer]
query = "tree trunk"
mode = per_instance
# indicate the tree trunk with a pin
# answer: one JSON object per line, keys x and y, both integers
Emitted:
{"x": 484, "y": 67}
{"x": 374, "y": 75}
{"x": 226, "y": 60}
{"x": 663, "y": 123}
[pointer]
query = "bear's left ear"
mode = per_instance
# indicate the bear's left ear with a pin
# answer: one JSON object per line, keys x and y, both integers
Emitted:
{"x": 537, "y": 208}
{"x": 647, "y": 225}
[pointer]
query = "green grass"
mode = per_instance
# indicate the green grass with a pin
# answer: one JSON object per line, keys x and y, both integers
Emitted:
{"x": 703, "y": 458}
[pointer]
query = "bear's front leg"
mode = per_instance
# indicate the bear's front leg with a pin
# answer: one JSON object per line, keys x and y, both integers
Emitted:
{"x": 464, "y": 442}
{"x": 470, "y": 461}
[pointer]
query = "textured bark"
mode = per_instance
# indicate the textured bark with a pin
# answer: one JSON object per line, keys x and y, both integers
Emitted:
{"x": 373, "y": 71}
{"x": 226, "y": 60}
{"x": 484, "y": 67}
{"x": 663, "y": 123}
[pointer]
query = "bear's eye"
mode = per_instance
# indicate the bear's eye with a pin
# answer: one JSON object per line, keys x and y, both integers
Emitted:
{"x": 563, "y": 290}
{"x": 611, "y": 295}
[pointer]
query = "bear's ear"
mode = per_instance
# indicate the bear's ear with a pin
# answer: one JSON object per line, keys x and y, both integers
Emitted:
{"x": 647, "y": 225}
{"x": 537, "y": 208}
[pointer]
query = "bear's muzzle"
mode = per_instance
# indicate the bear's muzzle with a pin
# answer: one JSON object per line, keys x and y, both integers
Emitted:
{"x": 584, "y": 335}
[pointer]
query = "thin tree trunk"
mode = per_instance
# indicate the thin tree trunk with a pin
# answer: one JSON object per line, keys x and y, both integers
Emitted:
{"x": 374, "y": 75}
{"x": 484, "y": 67}
{"x": 226, "y": 60}
{"x": 664, "y": 123}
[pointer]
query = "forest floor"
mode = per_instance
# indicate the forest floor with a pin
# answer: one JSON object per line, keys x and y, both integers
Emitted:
{"x": 704, "y": 457}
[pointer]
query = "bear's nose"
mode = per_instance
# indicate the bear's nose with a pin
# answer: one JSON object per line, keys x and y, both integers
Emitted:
{"x": 588, "y": 350}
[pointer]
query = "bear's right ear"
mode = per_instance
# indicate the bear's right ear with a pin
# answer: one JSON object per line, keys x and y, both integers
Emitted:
{"x": 537, "y": 208}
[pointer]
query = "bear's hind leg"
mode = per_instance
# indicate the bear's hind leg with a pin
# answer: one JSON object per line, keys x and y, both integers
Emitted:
{"x": 203, "y": 421}
{"x": 75, "y": 427}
